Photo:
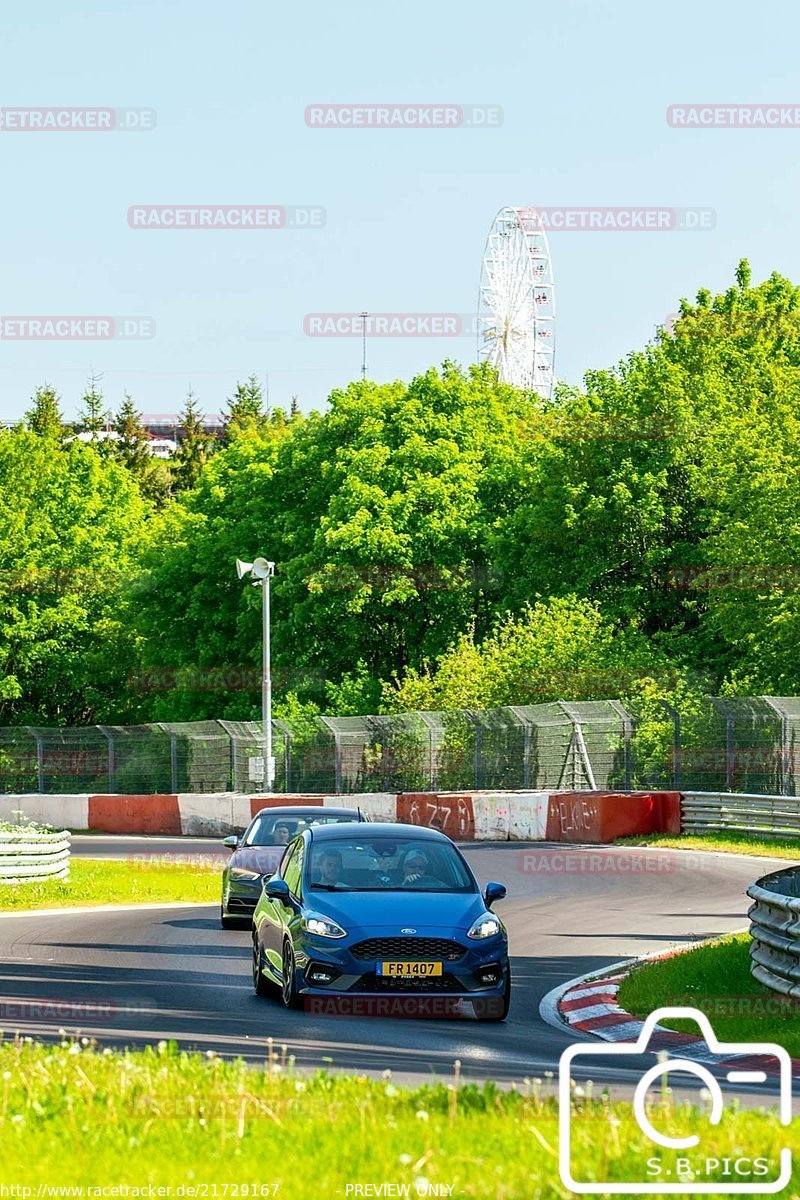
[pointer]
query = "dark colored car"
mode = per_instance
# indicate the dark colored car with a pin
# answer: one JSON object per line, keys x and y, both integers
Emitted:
{"x": 259, "y": 850}
{"x": 389, "y": 910}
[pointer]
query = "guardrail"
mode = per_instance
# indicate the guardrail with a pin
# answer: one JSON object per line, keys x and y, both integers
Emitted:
{"x": 775, "y": 929}
{"x": 26, "y": 856}
{"x": 768, "y": 816}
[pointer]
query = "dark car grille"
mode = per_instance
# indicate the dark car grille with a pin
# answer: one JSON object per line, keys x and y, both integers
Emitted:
{"x": 242, "y": 903}
{"x": 411, "y": 948}
{"x": 431, "y": 983}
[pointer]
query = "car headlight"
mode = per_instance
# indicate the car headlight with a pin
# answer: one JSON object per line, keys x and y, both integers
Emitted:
{"x": 323, "y": 927}
{"x": 485, "y": 927}
{"x": 242, "y": 873}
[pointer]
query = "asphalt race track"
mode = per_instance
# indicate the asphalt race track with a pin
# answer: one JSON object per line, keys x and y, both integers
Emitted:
{"x": 140, "y": 975}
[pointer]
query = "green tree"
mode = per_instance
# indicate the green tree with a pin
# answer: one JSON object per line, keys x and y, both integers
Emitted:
{"x": 380, "y": 515}
{"x": 93, "y": 417}
{"x": 195, "y": 446}
{"x": 246, "y": 413}
{"x": 132, "y": 449}
{"x": 72, "y": 525}
{"x": 557, "y": 649}
{"x": 44, "y": 418}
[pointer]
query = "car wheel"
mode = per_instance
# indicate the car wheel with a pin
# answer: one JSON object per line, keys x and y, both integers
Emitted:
{"x": 288, "y": 988}
{"x": 261, "y": 986}
{"x": 499, "y": 1013}
{"x": 231, "y": 922}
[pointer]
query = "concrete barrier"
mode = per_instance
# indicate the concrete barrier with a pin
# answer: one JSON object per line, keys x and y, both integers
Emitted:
{"x": 602, "y": 817}
{"x": 464, "y": 816}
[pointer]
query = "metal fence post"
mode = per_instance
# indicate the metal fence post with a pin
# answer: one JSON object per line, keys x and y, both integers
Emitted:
{"x": 627, "y": 733}
{"x": 287, "y": 753}
{"x": 337, "y": 753}
{"x": 433, "y": 766}
{"x": 785, "y": 754}
{"x": 676, "y": 743}
{"x": 527, "y": 739}
{"x": 730, "y": 748}
{"x": 580, "y": 753}
{"x": 112, "y": 758}
{"x": 39, "y": 758}
{"x": 475, "y": 721}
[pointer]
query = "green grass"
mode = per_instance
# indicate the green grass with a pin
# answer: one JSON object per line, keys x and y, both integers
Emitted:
{"x": 724, "y": 843}
{"x": 73, "y": 1115}
{"x": 715, "y": 978}
{"x": 101, "y": 881}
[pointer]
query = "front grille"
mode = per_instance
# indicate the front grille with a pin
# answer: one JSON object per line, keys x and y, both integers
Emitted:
{"x": 414, "y": 949}
{"x": 392, "y": 984}
{"x": 243, "y": 904}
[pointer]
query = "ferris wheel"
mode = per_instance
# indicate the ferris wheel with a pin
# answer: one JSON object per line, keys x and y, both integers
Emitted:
{"x": 516, "y": 303}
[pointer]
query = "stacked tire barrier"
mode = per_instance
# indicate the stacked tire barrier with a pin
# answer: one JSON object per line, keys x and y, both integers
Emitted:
{"x": 775, "y": 929}
{"x": 465, "y": 816}
{"x": 27, "y": 857}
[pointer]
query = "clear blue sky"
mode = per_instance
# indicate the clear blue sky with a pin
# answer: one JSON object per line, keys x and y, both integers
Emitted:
{"x": 584, "y": 85}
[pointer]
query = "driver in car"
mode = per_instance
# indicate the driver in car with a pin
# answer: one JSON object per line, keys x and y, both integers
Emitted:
{"x": 417, "y": 872}
{"x": 282, "y": 834}
{"x": 330, "y": 869}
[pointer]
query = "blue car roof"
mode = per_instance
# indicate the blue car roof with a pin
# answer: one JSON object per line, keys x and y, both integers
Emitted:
{"x": 332, "y": 833}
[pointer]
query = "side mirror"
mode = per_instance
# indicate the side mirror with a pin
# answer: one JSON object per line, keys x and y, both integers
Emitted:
{"x": 278, "y": 889}
{"x": 231, "y": 842}
{"x": 494, "y": 891}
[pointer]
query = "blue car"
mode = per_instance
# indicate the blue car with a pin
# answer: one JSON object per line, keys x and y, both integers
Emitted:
{"x": 379, "y": 911}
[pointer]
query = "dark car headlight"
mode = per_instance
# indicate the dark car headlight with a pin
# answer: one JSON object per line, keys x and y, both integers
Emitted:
{"x": 322, "y": 926}
{"x": 485, "y": 927}
{"x": 243, "y": 874}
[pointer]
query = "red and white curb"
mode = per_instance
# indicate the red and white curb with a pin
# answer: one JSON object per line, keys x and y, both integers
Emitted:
{"x": 587, "y": 1006}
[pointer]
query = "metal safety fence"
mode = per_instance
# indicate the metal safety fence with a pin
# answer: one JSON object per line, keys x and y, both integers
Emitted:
{"x": 714, "y": 745}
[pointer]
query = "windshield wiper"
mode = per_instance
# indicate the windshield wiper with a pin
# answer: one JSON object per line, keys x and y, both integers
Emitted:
{"x": 331, "y": 887}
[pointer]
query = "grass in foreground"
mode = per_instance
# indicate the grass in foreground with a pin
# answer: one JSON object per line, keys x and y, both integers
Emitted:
{"x": 724, "y": 843}
{"x": 100, "y": 881}
{"x": 716, "y": 980}
{"x": 72, "y": 1115}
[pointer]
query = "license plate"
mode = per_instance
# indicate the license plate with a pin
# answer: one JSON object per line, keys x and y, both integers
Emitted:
{"x": 410, "y": 970}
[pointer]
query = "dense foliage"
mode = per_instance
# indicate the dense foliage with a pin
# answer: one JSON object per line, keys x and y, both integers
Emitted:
{"x": 441, "y": 543}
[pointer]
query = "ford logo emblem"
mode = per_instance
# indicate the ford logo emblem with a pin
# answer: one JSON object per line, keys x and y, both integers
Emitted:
{"x": 408, "y": 931}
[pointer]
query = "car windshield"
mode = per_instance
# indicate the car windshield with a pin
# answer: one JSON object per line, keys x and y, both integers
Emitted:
{"x": 404, "y": 864}
{"x": 274, "y": 829}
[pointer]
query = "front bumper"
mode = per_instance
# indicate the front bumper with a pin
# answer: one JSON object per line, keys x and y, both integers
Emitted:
{"x": 482, "y": 971}
{"x": 240, "y": 897}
